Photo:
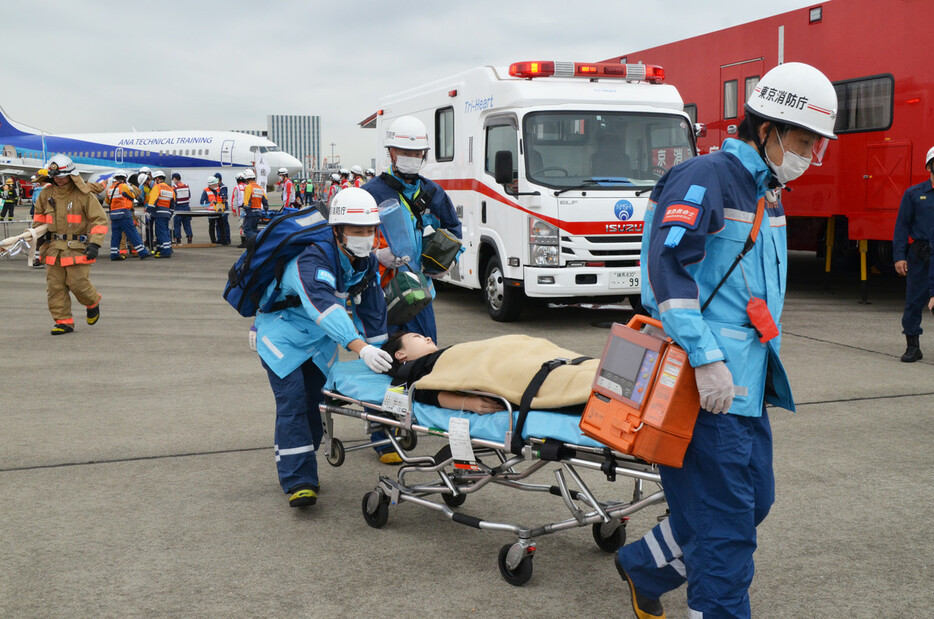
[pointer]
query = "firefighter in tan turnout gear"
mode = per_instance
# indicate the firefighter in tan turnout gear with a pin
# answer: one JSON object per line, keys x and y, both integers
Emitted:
{"x": 77, "y": 225}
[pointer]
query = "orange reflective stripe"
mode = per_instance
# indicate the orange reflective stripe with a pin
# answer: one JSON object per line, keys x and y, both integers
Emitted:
{"x": 67, "y": 321}
{"x": 98, "y": 229}
{"x": 39, "y": 219}
{"x": 74, "y": 219}
{"x": 78, "y": 260}
{"x": 67, "y": 262}
{"x": 50, "y": 259}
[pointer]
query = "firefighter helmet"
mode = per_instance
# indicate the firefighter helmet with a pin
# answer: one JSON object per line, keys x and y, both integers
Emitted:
{"x": 353, "y": 207}
{"x": 60, "y": 164}
{"x": 407, "y": 133}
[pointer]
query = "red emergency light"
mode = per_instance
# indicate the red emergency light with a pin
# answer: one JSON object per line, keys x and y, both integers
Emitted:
{"x": 653, "y": 74}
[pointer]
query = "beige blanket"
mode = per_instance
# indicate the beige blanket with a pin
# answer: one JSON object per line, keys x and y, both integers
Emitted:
{"x": 505, "y": 365}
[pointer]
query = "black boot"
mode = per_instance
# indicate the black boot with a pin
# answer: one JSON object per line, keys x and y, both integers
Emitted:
{"x": 913, "y": 352}
{"x": 189, "y": 240}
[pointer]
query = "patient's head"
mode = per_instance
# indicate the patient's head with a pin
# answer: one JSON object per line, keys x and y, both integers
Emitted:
{"x": 405, "y": 346}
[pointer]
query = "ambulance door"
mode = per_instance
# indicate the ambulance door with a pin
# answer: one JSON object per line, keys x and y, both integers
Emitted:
{"x": 737, "y": 83}
{"x": 227, "y": 153}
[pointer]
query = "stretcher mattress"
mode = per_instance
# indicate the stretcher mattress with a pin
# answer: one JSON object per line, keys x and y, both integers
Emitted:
{"x": 355, "y": 380}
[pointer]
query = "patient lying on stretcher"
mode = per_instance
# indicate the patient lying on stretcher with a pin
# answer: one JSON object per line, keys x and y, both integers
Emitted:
{"x": 502, "y": 365}
{"x": 414, "y": 355}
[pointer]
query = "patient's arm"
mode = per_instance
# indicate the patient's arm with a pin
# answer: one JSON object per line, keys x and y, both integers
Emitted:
{"x": 464, "y": 402}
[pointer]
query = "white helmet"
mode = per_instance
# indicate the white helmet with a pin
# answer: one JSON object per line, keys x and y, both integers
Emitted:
{"x": 357, "y": 170}
{"x": 370, "y": 172}
{"x": 144, "y": 170}
{"x": 119, "y": 174}
{"x": 249, "y": 174}
{"x": 158, "y": 174}
{"x": 928, "y": 157}
{"x": 407, "y": 132}
{"x": 345, "y": 172}
{"x": 240, "y": 176}
{"x": 796, "y": 94}
{"x": 212, "y": 180}
{"x": 60, "y": 164}
{"x": 283, "y": 172}
{"x": 353, "y": 207}
{"x": 335, "y": 177}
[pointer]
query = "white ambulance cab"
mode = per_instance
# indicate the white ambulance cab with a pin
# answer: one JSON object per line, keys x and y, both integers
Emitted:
{"x": 549, "y": 166}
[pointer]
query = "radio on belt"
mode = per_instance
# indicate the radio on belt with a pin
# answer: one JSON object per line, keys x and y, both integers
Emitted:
{"x": 644, "y": 401}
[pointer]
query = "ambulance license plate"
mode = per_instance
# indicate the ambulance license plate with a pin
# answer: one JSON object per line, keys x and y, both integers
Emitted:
{"x": 627, "y": 278}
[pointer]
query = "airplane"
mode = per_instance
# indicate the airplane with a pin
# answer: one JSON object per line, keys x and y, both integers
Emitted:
{"x": 194, "y": 154}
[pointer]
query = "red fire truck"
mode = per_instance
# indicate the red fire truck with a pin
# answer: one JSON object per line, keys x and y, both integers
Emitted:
{"x": 874, "y": 53}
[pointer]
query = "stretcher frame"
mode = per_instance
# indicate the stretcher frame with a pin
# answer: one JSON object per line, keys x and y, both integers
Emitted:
{"x": 452, "y": 485}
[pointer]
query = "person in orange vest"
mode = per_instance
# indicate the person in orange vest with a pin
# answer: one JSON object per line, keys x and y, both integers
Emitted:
{"x": 182, "y": 205}
{"x": 162, "y": 202}
{"x": 357, "y": 174}
{"x": 76, "y": 228}
{"x": 119, "y": 197}
{"x": 254, "y": 201}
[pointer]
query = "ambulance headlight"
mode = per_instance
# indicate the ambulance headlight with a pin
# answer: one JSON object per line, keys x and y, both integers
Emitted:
{"x": 543, "y": 243}
{"x": 544, "y": 255}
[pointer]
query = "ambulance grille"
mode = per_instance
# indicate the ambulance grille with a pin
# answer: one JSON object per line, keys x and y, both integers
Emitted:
{"x": 564, "y": 69}
{"x": 615, "y": 250}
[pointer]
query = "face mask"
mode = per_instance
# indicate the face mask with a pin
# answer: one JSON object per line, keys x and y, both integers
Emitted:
{"x": 408, "y": 165}
{"x": 793, "y": 165}
{"x": 359, "y": 246}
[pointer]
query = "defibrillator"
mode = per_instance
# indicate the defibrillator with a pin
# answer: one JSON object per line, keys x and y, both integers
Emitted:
{"x": 644, "y": 400}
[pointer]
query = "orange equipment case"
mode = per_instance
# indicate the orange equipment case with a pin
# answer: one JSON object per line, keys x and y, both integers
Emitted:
{"x": 644, "y": 401}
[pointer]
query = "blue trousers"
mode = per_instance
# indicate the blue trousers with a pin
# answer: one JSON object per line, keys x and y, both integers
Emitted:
{"x": 250, "y": 224}
{"x": 163, "y": 238}
{"x": 916, "y": 295}
{"x": 181, "y": 220}
{"x": 717, "y": 499}
{"x": 298, "y": 424}
{"x": 123, "y": 223}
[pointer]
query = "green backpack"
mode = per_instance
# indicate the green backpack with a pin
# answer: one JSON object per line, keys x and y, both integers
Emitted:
{"x": 407, "y": 294}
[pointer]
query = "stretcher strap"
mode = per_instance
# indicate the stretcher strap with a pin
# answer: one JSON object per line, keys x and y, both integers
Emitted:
{"x": 530, "y": 392}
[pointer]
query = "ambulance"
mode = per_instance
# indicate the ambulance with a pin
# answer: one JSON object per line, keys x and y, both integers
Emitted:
{"x": 550, "y": 166}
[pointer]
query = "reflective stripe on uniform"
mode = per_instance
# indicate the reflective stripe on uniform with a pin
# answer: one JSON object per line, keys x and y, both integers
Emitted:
{"x": 98, "y": 229}
{"x": 738, "y": 215}
{"x": 73, "y": 218}
{"x": 671, "y": 304}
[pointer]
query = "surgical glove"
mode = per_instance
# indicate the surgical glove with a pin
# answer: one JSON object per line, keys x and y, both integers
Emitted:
{"x": 715, "y": 386}
{"x": 388, "y": 260}
{"x": 375, "y": 358}
{"x": 91, "y": 251}
{"x": 438, "y": 275}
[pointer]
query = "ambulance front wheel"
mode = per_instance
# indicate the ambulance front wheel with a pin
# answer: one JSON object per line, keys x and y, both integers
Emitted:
{"x": 504, "y": 303}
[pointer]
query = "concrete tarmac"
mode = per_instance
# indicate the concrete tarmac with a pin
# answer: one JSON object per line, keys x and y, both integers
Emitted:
{"x": 137, "y": 475}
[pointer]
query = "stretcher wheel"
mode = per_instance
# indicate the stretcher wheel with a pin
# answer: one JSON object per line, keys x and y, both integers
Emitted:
{"x": 612, "y": 542}
{"x": 375, "y": 509}
{"x": 337, "y": 453}
{"x": 452, "y": 500}
{"x": 518, "y": 576}
{"x": 407, "y": 440}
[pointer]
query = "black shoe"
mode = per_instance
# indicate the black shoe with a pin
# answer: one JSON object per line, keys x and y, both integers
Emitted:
{"x": 94, "y": 313}
{"x": 189, "y": 240}
{"x": 303, "y": 495}
{"x": 913, "y": 352}
{"x": 144, "y": 256}
{"x": 645, "y": 608}
{"x": 61, "y": 328}
{"x": 162, "y": 256}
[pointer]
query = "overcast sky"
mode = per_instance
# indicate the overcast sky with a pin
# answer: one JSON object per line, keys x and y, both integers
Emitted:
{"x": 73, "y": 66}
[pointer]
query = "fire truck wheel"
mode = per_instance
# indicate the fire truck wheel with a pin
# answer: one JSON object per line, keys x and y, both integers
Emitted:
{"x": 504, "y": 303}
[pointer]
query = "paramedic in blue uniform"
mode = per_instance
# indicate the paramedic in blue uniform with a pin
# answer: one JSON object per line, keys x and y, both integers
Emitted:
{"x": 915, "y": 221}
{"x": 298, "y": 343}
{"x": 700, "y": 216}
{"x": 426, "y": 202}
{"x": 182, "y": 205}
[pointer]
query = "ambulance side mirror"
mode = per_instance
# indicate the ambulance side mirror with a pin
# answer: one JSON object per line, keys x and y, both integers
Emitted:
{"x": 700, "y": 130}
{"x": 502, "y": 168}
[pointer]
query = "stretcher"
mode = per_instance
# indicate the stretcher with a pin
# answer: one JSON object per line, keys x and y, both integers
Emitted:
{"x": 485, "y": 455}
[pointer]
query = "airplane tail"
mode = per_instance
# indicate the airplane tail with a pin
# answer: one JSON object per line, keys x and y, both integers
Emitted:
{"x": 9, "y": 128}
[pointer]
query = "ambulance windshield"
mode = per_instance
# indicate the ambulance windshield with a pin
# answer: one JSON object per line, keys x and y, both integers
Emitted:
{"x": 603, "y": 150}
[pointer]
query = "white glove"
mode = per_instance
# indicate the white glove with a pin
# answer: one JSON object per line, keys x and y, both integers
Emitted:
{"x": 438, "y": 275}
{"x": 715, "y": 385}
{"x": 375, "y": 358}
{"x": 388, "y": 259}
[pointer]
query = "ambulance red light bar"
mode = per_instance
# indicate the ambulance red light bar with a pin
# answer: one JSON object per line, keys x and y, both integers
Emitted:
{"x": 593, "y": 70}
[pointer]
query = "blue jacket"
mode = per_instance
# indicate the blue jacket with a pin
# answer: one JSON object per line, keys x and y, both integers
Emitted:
{"x": 320, "y": 276}
{"x": 698, "y": 219}
{"x": 915, "y": 218}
